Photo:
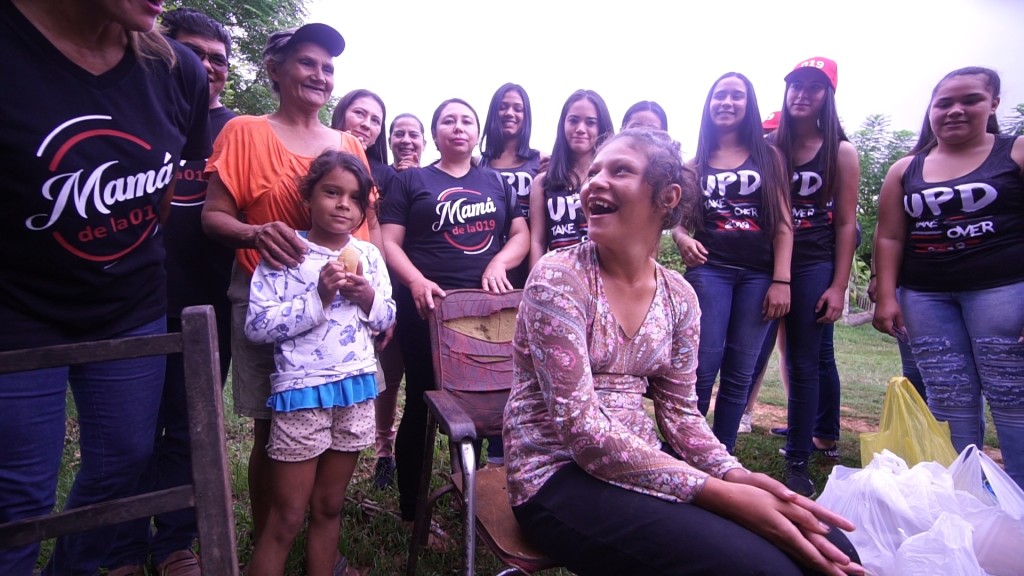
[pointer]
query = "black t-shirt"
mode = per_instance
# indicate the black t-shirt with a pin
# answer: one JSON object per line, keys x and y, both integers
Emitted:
{"x": 814, "y": 237}
{"x": 198, "y": 268}
{"x": 733, "y": 210}
{"x": 382, "y": 175}
{"x": 87, "y": 162}
{"x": 453, "y": 226}
{"x": 966, "y": 233}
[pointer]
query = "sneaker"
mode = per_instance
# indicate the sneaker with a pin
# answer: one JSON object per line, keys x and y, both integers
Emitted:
{"x": 779, "y": 431}
{"x": 384, "y": 473}
{"x": 746, "y": 423}
{"x": 797, "y": 478}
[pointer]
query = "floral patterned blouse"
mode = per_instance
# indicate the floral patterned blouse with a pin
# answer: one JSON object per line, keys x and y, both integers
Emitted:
{"x": 579, "y": 383}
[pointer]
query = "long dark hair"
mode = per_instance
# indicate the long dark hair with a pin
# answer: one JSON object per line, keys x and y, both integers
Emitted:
{"x": 774, "y": 179}
{"x": 492, "y": 142}
{"x": 927, "y": 140}
{"x": 378, "y": 151}
{"x": 560, "y": 169}
{"x": 831, "y": 135}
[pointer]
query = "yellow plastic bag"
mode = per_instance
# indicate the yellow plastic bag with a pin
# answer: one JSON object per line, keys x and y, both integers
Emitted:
{"x": 908, "y": 429}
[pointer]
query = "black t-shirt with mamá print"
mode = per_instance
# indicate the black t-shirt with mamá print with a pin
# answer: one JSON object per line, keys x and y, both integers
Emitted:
{"x": 453, "y": 226}
{"x": 198, "y": 267}
{"x": 88, "y": 159}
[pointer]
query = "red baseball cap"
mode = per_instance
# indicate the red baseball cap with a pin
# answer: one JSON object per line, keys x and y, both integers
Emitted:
{"x": 772, "y": 121}
{"x": 820, "y": 63}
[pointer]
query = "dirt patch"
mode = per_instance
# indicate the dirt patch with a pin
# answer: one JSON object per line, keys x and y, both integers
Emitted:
{"x": 768, "y": 416}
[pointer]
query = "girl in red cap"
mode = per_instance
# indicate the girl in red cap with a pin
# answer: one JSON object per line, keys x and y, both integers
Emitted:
{"x": 824, "y": 172}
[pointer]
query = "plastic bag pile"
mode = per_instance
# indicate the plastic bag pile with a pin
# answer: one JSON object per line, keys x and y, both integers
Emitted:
{"x": 965, "y": 519}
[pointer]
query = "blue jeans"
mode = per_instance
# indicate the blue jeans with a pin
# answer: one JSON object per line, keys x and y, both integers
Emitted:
{"x": 732, "y": 329}
{"x": 967, "y": 344}
{"x": 826, "y": 423}
{"x": 803, "y": 354}
{"x": 117, "y": 406}
{"x": 910, "y": 371}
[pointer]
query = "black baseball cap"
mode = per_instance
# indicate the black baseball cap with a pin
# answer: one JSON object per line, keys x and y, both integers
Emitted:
{"x": 320, "y": 34}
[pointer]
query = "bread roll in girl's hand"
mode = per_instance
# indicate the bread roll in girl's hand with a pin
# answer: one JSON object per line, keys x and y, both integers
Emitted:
{"x": 349, "y": 258}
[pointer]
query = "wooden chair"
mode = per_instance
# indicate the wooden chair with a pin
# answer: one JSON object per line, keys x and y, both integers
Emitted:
{"x": 210, "y": 491}
{"x": 471, "y": 339}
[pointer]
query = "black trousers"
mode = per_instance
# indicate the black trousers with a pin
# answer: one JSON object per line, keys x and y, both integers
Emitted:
{"x": 414, "y": 341}
{"x": 596, "y": 528}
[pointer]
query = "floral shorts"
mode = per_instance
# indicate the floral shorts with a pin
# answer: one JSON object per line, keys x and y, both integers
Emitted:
{"x": 305, "y": 434}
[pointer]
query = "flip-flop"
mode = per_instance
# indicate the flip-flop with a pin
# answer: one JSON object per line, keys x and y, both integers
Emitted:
{"x": 832, "y": 452}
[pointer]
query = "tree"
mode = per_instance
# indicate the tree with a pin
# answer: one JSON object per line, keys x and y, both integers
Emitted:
{"x": 250, "y": 22}
{"x": 878, "y": 148}
{"x": 1015, "y": 123}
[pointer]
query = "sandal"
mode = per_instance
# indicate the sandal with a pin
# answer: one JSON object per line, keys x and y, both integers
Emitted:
{"x": 832, "y": 452}
{"x": 179, "y": 563}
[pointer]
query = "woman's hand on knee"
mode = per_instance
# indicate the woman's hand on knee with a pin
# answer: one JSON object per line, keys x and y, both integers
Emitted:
{"x": 779, "y": 490}
{"x": 797, "y": 525}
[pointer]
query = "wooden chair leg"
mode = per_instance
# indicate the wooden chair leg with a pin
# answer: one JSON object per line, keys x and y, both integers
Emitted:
{"x": 421, "y": 524}
{"x": 215, "y": 517}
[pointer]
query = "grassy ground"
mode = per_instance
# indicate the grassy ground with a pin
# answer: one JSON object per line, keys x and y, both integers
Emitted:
{"x": 375, "y": 540}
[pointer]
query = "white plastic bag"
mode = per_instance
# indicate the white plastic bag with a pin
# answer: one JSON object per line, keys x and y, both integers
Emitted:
{"x": 996, "y": 512}
{"x": 946, "y": 549}
{"x": 888, "y": 503}
{"x": 929, "y": 519}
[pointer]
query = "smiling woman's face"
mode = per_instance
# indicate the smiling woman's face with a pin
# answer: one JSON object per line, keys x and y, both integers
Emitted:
{"x": 305, "y": 78}
{"x": 363, "y": 120}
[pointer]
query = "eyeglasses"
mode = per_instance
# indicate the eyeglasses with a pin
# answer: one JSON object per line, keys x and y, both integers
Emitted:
{"x": 218, "y": 61}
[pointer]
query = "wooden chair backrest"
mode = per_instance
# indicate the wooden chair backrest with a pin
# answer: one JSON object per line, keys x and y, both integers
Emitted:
{"x": 210, "y": 492}
{"x": 471, "y": 338}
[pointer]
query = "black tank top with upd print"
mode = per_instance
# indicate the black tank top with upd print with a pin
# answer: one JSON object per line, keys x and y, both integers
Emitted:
{"x": 814, "y": 237}
{"x": 966, "y": 233}
{"x": 733, "y": 208}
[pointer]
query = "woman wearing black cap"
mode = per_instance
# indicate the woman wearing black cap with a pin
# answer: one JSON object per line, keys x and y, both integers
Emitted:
{"x": 253, "y": 204}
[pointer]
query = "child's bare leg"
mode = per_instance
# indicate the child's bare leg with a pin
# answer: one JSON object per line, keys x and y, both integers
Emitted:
{"x": 332, "y": 477}
{"x": 292, "y": 486}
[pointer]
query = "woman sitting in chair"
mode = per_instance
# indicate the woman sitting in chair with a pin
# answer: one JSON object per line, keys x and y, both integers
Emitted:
{"x": 599, "y": 323}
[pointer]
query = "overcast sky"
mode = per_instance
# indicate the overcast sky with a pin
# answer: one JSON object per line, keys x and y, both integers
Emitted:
{"x": 890, "y": 53}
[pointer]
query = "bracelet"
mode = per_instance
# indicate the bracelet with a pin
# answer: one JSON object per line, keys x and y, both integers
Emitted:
{"x": 774, "y": 281}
